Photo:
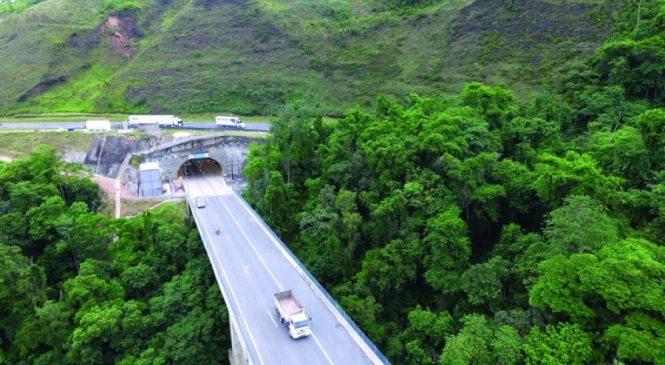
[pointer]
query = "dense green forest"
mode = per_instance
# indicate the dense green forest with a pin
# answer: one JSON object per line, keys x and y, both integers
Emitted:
{"x": 78, "y": 288}
{"x": 485, "y": 229}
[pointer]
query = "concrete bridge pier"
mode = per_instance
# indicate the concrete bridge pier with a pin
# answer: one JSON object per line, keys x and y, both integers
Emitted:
{"x": 237, "y": 354}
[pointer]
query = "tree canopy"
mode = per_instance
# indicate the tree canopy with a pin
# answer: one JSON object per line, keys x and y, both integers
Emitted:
{"x": 524, "y": 231}
{"x": 70, "y": 294}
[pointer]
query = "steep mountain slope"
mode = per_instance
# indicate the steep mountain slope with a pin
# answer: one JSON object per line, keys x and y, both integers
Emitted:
{"x": 253, "y": 56}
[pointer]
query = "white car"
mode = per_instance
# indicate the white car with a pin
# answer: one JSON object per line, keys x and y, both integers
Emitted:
{"x": 200, "y": 202}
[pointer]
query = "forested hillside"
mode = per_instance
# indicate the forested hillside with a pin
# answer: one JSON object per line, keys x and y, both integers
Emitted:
{"x": 489, "y": 229}
{"x": 78, "y": 288}
{"x": 254, "y": 56}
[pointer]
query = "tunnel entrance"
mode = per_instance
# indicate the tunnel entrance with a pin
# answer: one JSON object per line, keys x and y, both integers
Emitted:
{"x": 200, "y": 167}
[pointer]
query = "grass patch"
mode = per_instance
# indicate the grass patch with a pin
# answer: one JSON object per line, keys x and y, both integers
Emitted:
{"x": 20, "y": 144}
{"x": 247, "y": 134}
{"x": 60, "y": 117}
{"x": 132, "y": 207}
{"x": 77, "y": 95}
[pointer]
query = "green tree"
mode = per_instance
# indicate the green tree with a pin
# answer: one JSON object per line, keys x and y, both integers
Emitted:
{"x": 423, "y": 337}
{"x": 483, "y": 283}
{"x": 447, "y": 250}
{"x": 605, "y": 108}
{"x": 638, "y": 66}
{"x": 622, "y": 153}
{"x": 479, "y": 195}
{"x": 365, "y": 311}
{"x": 574, "y": 174}
{"x": 188, "y": 341}
{"x": 494, "y": 103}
{"x": 25, "y": 195}
{"x": 640, "y": 338}
{"x": 652, "y": 126}
{"x": 96, "y": 334}
{"x": 43, "y": 338}
{"x": 389, "y": 270}
{"x": 480, "y": 341}
{"x": 564, "y": 343}
{"x": 580, "y": 225}
{"x": 522, "y": 137}
{"x": 615, "y": 290}
{"x": 22, "y": 287}
{"x": 88, "y": 290}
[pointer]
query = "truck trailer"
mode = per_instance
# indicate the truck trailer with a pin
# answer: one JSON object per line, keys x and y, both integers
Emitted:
{"x": 167, "y": 121}
{"x": 292, "y": 314}
{"x": 98, "y": 125}
{"x": 229, "y": 122}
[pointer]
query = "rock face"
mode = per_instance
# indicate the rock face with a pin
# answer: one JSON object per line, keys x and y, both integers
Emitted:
{"x": 120, "y": 33}
{"x": 107, "y": 153}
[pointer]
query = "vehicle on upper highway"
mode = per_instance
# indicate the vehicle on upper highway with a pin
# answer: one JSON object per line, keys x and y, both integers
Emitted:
{"x": 98, "y": 125}
{"x": 200, "y": 202}
{"x": 229, "y": 122}
{"x": 292, "y": 314}
{"x": 161, "y": 120}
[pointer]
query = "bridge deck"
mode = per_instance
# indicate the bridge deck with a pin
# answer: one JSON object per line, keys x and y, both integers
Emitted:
{"x": 251, "y": 267}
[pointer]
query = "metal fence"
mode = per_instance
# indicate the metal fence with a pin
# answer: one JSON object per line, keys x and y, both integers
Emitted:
{"x": 313, "y": 280}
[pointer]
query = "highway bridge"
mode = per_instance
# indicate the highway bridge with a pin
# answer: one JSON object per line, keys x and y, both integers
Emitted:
{"x": 251, "y": 264}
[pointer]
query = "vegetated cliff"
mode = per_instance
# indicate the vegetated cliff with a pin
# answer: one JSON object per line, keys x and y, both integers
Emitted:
{"x": 252, "y": 57}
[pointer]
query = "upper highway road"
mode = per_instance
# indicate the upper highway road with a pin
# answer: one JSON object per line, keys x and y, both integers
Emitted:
{"x": 251, "y": 264}
{"x": 258, "y": 127}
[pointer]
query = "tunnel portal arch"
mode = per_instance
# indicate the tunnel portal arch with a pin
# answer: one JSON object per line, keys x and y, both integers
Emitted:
{"x": 206, "y": 166}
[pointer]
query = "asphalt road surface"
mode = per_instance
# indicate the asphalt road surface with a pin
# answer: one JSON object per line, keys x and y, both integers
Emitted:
{"x": 251, "y": 267}
{"x": 258, "y": 127}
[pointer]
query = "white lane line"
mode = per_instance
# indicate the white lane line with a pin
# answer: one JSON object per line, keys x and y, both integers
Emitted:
{"x": 249, "y": 241}
{"x": 322, "y": 350}
{"x": 246, "y": 268}
{"x": 233, "y": 294}
{"x": 272, "y": 319}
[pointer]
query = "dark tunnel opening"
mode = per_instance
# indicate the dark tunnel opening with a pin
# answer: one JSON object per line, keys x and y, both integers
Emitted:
{"x": 201, "y": 167}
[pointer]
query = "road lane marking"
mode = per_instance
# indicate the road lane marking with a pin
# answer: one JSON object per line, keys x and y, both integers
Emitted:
{"x": 233, "y": 294}
{"x": 272, "y": 319}
{"x": 246, "y": 268}
{"x": 251, "y": 245}
{"x": 322, "y": 350}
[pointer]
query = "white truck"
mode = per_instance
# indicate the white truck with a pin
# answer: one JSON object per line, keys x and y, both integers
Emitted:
{"x": 228, "y": 122}
{"x": 168, "y": 121}
{"x": 292, "y": 314}
{"x": 98, "y": 125}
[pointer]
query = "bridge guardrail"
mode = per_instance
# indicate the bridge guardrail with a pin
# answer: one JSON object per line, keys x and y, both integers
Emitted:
{"x": 315, "y": 282}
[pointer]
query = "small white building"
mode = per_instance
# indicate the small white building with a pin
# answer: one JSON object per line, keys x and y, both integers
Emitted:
{"x": 150, "y": 179}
